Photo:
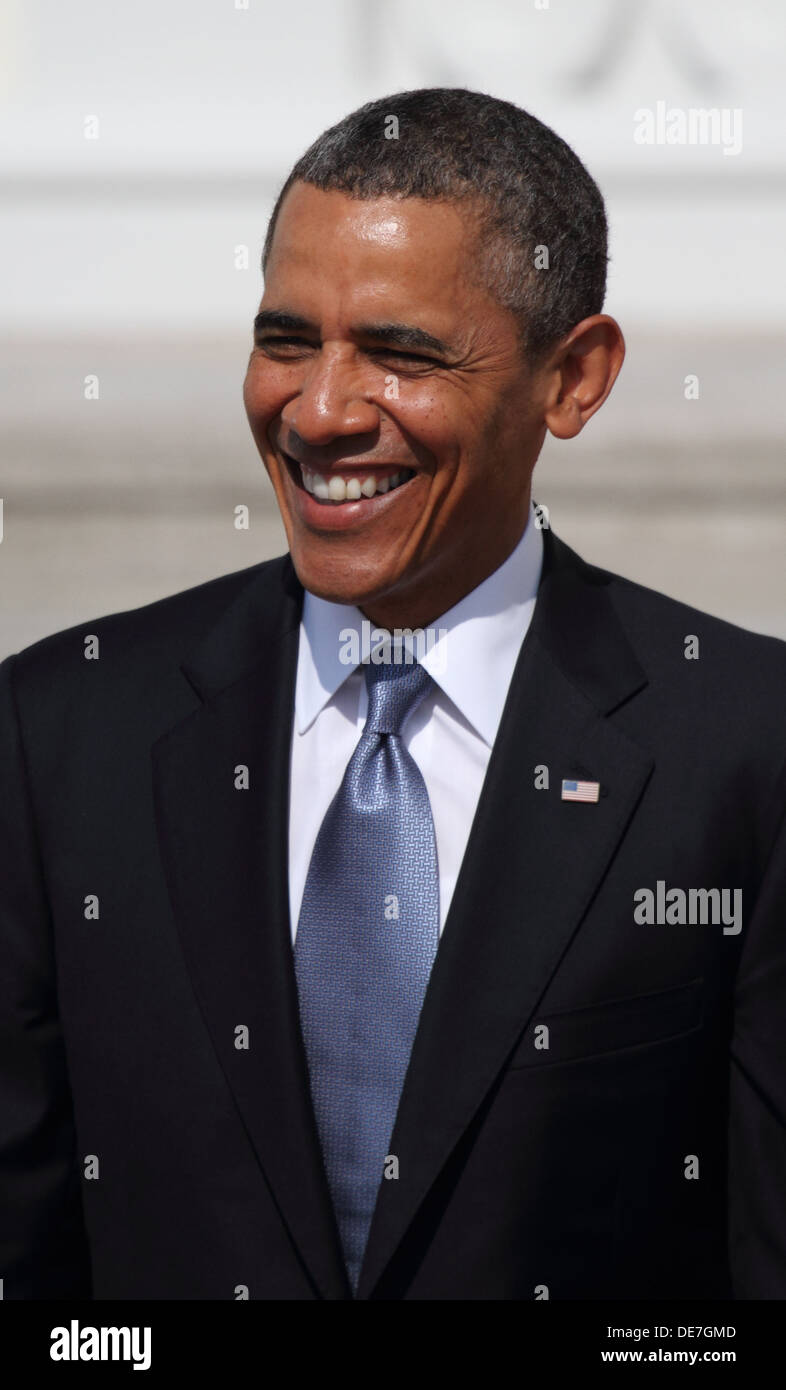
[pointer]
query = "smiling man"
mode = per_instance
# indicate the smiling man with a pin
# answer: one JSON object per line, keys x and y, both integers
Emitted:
{"x": 328, "y": 977}
{"x": 390, "y": 391}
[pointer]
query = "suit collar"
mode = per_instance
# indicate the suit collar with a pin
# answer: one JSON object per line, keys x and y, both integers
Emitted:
{"x": 576, "y": 623}
{"x": 264, "y": 612}
{"x": 574, "y": 620}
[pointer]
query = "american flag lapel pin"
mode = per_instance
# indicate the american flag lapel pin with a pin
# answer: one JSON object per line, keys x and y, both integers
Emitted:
{"x": 580, "y": 791}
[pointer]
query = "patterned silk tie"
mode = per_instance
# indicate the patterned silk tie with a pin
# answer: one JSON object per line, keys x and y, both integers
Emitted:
{"x": 366, "y": 940}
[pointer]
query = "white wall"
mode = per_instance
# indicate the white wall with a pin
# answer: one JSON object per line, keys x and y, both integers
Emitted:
{"x": 118, "y": 257}
{"x": 203, "y": 107}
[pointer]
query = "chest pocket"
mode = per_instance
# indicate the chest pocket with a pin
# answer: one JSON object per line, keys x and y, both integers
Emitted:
{"x": 611, "y": 1027}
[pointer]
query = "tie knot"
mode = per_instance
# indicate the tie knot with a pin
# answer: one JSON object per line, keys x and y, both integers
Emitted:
{"x": 395, "y": 689}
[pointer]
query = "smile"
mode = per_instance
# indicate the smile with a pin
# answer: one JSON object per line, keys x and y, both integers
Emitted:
{"x": 335, "y": 489}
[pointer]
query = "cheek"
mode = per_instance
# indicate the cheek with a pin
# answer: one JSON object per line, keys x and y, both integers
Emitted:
{"x": 265, "y": 393}
{"x": 433, "y": 423}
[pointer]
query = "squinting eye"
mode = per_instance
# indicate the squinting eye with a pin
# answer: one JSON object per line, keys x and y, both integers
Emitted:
{"x": 408, "y": 356}
{"x": 283, "y": 342}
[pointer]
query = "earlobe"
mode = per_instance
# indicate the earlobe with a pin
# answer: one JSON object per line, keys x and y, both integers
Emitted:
{"x": 565, "y": 420}
{"x": 590, "y": 361}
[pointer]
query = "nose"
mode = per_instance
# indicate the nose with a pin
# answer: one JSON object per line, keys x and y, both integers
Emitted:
{"x": 331, "y": 402}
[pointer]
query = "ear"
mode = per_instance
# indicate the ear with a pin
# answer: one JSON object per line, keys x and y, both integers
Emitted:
{"x": 581, "y": 374}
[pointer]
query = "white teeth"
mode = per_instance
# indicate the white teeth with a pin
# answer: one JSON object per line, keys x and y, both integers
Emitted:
{"x": 337, "y": 489}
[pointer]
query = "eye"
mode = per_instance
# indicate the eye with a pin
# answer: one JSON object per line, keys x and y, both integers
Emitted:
{"x": 418, "y": 358}
{"x": 277, "y": 342}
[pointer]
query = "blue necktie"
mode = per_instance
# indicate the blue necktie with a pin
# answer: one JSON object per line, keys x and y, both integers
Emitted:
{"x": 366, "y": 940}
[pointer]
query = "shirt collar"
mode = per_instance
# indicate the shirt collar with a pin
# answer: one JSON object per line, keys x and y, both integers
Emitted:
{"x": 470, "y": 653}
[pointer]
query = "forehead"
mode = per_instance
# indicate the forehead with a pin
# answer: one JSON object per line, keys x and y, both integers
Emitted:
{"x": 418, "y": 252}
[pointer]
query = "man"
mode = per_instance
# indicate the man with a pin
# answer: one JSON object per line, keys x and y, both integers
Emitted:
{"x": 331, "y": 973}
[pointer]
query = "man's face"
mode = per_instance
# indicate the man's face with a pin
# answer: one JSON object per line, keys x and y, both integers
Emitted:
{"x": 378, "y": 354}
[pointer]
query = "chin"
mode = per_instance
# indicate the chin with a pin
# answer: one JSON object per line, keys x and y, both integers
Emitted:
{"x": 334, "y": 586}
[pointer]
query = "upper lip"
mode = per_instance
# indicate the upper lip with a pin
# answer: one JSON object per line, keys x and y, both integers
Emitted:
{"x": 371, "y": 466}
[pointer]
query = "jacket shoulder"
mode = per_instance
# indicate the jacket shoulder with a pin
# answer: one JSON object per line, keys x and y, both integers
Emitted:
{"x": 654, "y": 622}
{"x": 168, "y": 627}
{"x": 705, "y": 676}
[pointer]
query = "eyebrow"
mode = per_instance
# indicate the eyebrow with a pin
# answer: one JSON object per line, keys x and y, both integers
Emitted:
{"x": 405, "y": 335}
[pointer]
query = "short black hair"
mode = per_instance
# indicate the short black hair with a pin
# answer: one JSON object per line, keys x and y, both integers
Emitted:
{"x": 530, "y": 190}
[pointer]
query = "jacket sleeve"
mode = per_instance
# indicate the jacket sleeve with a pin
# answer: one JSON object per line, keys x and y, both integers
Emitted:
{"x": 757, "y": 1116}
{"x": 43, "y": 1244}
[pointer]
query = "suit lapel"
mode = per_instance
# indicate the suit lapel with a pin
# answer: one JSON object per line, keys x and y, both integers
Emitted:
{"x": 532, "y": 864}
{"x": 225, "y": 853}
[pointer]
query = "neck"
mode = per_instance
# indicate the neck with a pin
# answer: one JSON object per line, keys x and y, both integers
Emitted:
{"x": 422, "y": 610}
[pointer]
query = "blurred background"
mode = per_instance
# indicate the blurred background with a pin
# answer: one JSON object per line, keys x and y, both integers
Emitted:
{"x": 143, "y": 148}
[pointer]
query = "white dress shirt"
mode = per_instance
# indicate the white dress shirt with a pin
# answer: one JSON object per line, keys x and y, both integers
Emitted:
{"x": 451, "y": 733}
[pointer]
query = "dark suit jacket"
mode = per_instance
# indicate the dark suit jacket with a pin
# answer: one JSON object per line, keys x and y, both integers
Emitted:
{"x": 522, "y": 1169}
